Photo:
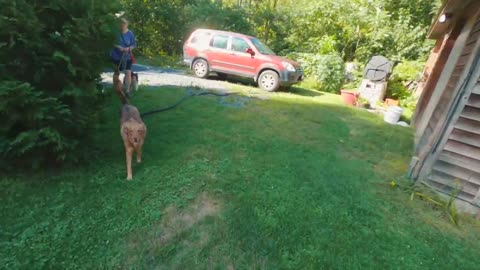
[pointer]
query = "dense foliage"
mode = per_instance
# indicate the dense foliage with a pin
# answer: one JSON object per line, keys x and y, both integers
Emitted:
{"x": 52, "y": 53}
{"x": 354, "y": 29}
{"x": 326, "y": 72}
{"x": 403, "y": 81}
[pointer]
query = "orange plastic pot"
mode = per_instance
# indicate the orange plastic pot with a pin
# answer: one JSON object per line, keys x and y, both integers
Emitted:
{"x": 349, "y": 97}
{"x": 391, "y": 102}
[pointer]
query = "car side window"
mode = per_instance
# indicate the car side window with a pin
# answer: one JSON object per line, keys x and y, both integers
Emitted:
{"x": 239, "y": 44}
{"x": 220, "y": 41}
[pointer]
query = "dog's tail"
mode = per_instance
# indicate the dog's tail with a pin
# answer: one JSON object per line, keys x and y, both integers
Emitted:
{"x": 117, "y": 85}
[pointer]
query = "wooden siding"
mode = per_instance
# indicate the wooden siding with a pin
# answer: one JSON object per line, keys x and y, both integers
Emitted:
{"x": 430, "y": 131}
{"x": 453, "y": 83}
{"x": 433, "y": 69}
{"x": 458, "y": 164}
{"x": 447, "y": 120}
{"x": 424, "y": 130}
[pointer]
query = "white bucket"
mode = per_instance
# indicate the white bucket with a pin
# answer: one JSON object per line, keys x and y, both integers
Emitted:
{"x": 393, "y": 114}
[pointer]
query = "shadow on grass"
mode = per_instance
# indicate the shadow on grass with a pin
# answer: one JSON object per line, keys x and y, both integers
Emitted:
{"x": 234, "y": 80}
{"x": 295, "y": 90}
{"x": 304, "y": 92}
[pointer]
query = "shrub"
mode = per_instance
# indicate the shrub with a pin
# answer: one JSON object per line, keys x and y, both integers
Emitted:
{"x": 396, "y": 90}
{"x": 402, "y": 74}
{"x": 322, "y": 45}
{"x": 158, "y": 25}
{"x": 52, "y": 53}
{"x": 31, "y": 120}
{"x": 408, "y": 70}
{"x": 409, "y": 103}
{"x": 325, "y": 72}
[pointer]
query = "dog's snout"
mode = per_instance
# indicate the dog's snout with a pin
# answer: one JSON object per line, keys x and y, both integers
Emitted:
{"x": 135, "y": 140}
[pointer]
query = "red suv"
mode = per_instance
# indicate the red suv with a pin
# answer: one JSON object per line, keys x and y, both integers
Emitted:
{"x": 228, "y": 53}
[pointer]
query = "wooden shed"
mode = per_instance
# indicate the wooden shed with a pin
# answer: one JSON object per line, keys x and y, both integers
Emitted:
{"x": 447, "y": 118}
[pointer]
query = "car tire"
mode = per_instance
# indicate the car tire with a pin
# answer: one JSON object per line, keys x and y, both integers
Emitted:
{"x": 269, "y": 81}
{"x": 200, "y": 68}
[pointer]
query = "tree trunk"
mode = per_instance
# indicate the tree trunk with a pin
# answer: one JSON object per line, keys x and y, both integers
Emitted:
{"x": 268, "y": 21}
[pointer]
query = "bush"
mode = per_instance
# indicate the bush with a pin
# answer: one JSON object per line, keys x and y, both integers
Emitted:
{"x": 403, "y": 73}
{"x": 52, "y": 54}
{"x": 409, "y": 103}
{"x": 325, "y": 72}
{"x": 408, "y": 71}
{"x": 158, "y": 25}
{"x": 30, "y": 128}
{"x": 396, "y": 90}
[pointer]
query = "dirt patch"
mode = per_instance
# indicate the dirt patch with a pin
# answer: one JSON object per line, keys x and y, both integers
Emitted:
{"x": 143, "y": 247}
{"x": 178, "y": 220}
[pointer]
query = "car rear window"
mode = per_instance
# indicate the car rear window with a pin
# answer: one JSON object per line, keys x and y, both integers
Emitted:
{"x": 239, "y": 44}
{"x": 201, "y": 38}
{"x": 220, "y": 41}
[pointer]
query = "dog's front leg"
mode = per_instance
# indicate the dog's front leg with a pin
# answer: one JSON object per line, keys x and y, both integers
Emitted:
{"x": 139, "y": 154}
{"x": 129, "y": 153}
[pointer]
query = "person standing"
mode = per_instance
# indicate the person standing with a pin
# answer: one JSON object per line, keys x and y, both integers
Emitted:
{"x": 122, "y": 53}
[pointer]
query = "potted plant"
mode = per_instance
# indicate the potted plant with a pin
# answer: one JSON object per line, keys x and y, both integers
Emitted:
{"x": 349, "y": 97}
{"x": 363, "y": 103}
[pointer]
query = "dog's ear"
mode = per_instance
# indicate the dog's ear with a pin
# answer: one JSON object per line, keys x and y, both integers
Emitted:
{"x": 142, "y": 130}
{"x": 125, "y": 131}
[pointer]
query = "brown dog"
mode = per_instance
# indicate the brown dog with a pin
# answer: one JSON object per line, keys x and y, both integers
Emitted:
{"x": 133, "y": 132}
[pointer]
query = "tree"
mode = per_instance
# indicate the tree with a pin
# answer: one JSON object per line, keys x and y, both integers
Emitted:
{"x": 52, "y": 53}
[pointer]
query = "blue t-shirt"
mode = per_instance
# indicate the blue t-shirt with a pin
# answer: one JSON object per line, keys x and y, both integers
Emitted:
{"x": 125, "y": 40}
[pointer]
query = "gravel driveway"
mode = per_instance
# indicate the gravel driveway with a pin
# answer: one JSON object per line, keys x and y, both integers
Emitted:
{"x": 156, "y": 76}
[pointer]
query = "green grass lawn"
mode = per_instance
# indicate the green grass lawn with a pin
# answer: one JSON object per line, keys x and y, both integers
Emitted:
{"x": 296, "y": 181}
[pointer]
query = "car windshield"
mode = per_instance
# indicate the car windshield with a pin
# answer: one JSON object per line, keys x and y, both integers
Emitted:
{"x": 262, "y": 48}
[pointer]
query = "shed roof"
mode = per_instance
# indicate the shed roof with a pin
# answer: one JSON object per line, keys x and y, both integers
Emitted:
{"x": 456, "y": 9}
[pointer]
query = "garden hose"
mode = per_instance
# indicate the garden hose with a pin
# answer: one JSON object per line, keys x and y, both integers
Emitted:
{"x": 183, "y": 99}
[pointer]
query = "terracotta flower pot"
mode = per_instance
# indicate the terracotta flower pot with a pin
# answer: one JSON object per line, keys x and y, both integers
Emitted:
{"x": 391, "y": 102}
{"x": 349, "y": 97}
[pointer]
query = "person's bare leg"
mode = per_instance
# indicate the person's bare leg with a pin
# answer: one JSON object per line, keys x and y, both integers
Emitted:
{"x": 128, "y": 80}
{"x": 117, "y": 86}
{"x": 116, "y": 73}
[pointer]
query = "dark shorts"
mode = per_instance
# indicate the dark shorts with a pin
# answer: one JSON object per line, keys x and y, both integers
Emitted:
{"x": 126, "y": 65}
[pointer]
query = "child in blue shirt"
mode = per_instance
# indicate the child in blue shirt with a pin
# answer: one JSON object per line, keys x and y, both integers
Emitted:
{"x": 122, "y": 53}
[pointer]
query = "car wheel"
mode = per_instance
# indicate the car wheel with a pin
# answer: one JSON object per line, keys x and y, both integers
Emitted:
{"x": 269, "y": 81}
{"x": 200, "y": 68}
